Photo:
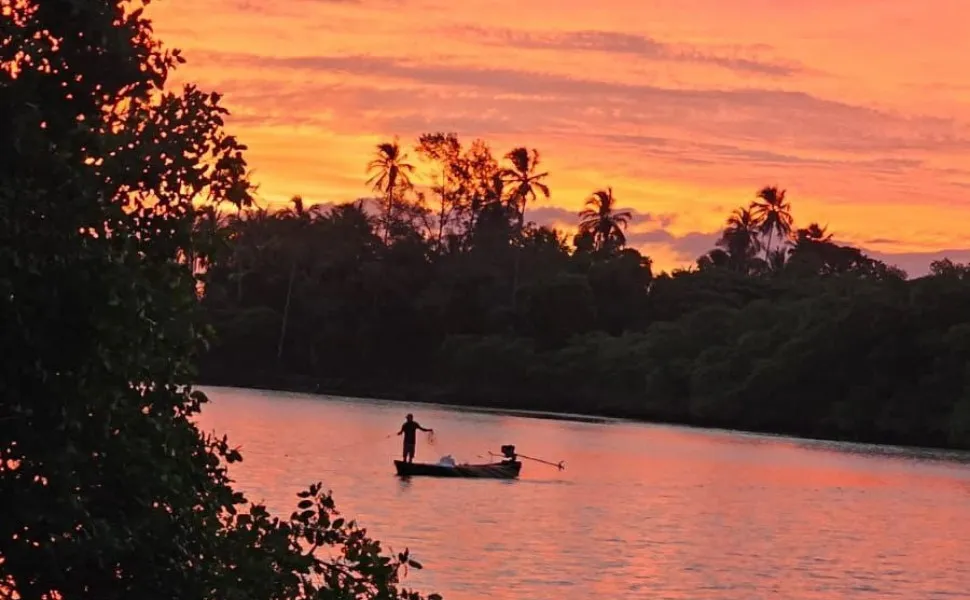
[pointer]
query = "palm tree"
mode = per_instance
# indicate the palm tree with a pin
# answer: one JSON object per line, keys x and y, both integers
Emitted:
{"x": 811, "y": 238}
{"x": 390, "y": 172}
{"x": 246, "y": 249}
{"x": 209, "y": 227}
{"x": 812, "y": 246}
{"x": 773, "y": 215}
{"x": 600, "y": 219}
{"x": 300, "y": 212}
{"x": 301, "y": 217}
{"x": 814, "y": 233}
{"x": 524, "y": 179}
{"x": 741, "y": 238}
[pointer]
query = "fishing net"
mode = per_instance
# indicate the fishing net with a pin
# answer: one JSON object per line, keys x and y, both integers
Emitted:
{"x": 431, "y": 438}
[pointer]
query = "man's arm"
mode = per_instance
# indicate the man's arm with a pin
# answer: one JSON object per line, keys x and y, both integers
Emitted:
{"x": 401, "y": 430}
{"x": 423, "y": 429}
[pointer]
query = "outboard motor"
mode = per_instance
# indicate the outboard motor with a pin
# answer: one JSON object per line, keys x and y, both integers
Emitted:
{"x": 508, "y": 451}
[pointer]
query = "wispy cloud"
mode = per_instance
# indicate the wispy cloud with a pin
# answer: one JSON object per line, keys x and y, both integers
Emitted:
{"x": 633, "y": 45}
{"x": 773, "y": 115}
{"x": 686, "y": 247}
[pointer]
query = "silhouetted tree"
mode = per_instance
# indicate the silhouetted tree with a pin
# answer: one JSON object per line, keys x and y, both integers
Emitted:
{"x": 601, "y": 220}
{"x": 948, "y": 268}
{"x": 806, "y": 336}
{"x": 480, "y": 181}
{"x": 109, "y": 489}
{"x": 391, "y": 176}
{"x": 293, "y": 243}
{"x": 524, "y": 179}
{"x": 445, "y": 152}
{"x": 772, "y": 213}
{"x": 814, "y": 232}
{"x": 740, "y": 242}
{"x": 715, "y": 258}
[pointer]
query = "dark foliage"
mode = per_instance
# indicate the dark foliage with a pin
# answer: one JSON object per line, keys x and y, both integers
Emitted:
{"x": 108, "y": 489}
{"x": 777, "y": 329}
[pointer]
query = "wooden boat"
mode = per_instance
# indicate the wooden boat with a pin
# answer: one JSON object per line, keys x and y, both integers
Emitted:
{"x": 502, "y": 470}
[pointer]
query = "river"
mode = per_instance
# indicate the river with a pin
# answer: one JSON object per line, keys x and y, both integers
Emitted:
{"x": 641, "y": 511}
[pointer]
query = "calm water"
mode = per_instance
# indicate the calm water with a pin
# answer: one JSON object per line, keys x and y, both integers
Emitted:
{"x": 640, "y": 512}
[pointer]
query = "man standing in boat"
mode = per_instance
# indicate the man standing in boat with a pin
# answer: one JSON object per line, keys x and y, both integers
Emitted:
{"x": 409, "y": 429}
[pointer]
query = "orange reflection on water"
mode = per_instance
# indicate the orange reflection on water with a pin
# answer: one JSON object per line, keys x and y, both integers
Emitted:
{"x": 640, "y": 512}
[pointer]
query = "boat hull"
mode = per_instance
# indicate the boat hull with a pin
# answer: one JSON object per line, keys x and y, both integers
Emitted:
{"x": 505, "y": 470}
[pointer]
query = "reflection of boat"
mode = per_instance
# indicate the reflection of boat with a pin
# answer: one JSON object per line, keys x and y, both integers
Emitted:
{"x": 508, "y": 469}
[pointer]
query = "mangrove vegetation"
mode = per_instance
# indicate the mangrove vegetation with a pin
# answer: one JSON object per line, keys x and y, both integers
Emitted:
{"x": 443, "y": 290}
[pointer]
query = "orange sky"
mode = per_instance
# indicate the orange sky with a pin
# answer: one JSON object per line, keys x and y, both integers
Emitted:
{"x": 860, "y": 108}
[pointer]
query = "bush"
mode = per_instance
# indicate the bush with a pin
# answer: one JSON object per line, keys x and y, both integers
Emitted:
{"x": 109, "y": 490}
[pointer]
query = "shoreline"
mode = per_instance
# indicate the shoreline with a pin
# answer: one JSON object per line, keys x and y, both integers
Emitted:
{"x": 452, "y": 401}
{"x": 509, "y": 412}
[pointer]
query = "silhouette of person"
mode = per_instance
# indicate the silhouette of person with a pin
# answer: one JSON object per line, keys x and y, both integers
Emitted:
{"x": 409, "y": 429}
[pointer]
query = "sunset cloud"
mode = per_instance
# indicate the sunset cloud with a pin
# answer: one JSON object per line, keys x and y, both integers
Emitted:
{"x": 640, "y": 46}
{"x": 685, "y": 108}
{"x": 807, "y": 131}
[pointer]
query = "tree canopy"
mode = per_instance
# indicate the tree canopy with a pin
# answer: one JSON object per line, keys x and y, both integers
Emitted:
{"x": 109, "y": 185}
{"x": 457, "y": 297}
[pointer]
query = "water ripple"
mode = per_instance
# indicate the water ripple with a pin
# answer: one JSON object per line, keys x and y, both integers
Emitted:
{"x": 640, "y": 512}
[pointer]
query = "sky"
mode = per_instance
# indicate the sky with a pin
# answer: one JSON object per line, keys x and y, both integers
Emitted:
{"x": 859, "y": 109}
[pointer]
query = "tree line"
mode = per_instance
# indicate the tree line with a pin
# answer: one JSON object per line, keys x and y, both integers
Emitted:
{"x": 449, "y": 293}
